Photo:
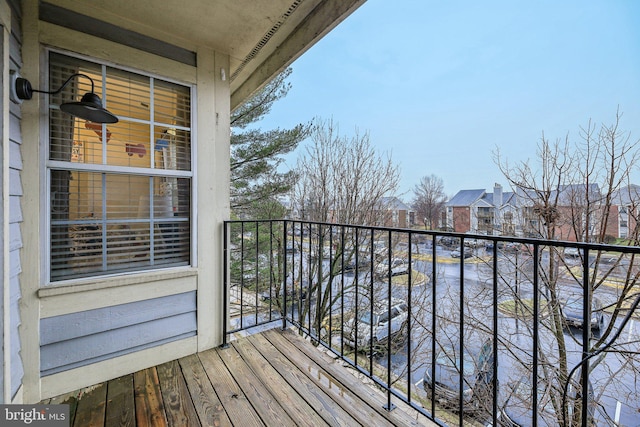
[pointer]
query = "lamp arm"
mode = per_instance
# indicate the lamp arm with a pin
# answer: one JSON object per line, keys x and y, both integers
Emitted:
{"x": 65, "y": 84}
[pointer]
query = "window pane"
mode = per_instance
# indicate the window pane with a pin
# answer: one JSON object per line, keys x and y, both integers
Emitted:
{"x": 126, "y": 196}
{"x": 113, "y": 220}
{"x": 129, "y": 144}
{"x": 172, "y": 149}
{"x": 128, "y": 94}
{"x": 172, "y": 104}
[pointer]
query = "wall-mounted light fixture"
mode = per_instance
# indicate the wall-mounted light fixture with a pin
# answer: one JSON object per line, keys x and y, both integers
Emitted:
{"x": 88, "y": 108}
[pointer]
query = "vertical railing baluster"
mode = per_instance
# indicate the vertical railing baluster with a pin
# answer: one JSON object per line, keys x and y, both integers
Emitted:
{"x": 536, "y": 312}
{"x": 242, "y": 275}
{"x": 270, "y": 269}
{"x": 342, "y": 266}
{"x": 494, "y": 403}
{"x": 586, "y": 337}
{"x": 283, "y": 311}
{"x": 225, "y": 283}
{"x": 295, "y": 297}
{"x": 257, "y": 271}
{"x": 389, "y": 406}
{"x": 433, "y": 323}
{"x": 331, "y": 272}
{"x": 409, "y": 311}
{"x": 462, "y": 341}
{"x": 356, "y": 319}
{"x": 318, "y": 245}
{"x": 371, "y": 283}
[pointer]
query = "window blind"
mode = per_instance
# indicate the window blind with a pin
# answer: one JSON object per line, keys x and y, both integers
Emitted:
{"x": 119, "y": 194}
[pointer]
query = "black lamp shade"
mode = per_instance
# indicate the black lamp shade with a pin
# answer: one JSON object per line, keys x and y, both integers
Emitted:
{"x": 89, "y": 108}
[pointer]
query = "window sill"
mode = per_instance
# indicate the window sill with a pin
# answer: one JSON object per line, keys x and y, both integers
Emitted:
{"x": 96, "y": 283}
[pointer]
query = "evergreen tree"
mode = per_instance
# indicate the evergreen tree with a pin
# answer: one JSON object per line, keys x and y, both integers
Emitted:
{"x": 257, "y": 154}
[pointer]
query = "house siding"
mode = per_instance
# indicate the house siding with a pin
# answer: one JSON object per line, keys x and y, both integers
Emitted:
{"x": 78, "y": 339}
{"x": 14, "y": 218}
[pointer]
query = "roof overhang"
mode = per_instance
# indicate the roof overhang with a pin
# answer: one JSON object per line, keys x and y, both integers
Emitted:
{"x": 261, "y": 37}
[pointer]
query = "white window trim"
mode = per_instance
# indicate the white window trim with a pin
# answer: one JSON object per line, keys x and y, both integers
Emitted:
{"x": 48, "y": 165}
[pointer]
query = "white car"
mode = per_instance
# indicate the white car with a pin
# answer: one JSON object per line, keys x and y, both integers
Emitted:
{"x": 398, "y": 267}
{"x": 358, "y": 334}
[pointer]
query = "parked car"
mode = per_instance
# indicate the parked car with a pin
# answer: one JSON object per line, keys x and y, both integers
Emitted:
{"x": 517, "y": 411}
{"x": 572, "y": 312}
{"x": 362, "y": 265}
{"x": 293, "y": 292}
{"x": 572, "y": 252}
{"x": 399, "y": 267}
{"x": 447, "y": 241}
{"x": 456, "y": 254}
{"x": 478, "y": 377}
{"x": 379, "y": 322}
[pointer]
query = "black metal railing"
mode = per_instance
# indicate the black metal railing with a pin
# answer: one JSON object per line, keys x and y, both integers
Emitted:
{"x": 459, "y": 326}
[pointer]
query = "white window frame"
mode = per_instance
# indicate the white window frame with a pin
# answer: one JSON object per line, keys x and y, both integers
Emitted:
{"x": 48, "y": 165}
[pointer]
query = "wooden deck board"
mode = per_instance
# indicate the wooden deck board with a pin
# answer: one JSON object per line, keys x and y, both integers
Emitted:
{"x": 120, "y": 411}
{"x": 91, "y": 406}
{"x": 177, "y": 402}
{"x": 274, "y": 378}
{"x": 270, "y": 410}
{"x": 340, "y": 390}
{"x": 70, "y": 399}
{"x": 377, "y": 401}
{"x": 271, "y": 370}
{"x": 205, "y": 400}
{"x": 148, "y": 399}
{"x": 235, "y": 402}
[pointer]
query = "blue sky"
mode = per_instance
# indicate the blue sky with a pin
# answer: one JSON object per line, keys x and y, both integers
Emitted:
{"x": 441, "y": 84}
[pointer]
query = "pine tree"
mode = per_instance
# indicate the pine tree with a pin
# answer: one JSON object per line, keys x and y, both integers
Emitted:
{"x": 256, "y": 154}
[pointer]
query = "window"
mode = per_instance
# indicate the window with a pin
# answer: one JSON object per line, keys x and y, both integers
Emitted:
{"x": 119, "y": 194}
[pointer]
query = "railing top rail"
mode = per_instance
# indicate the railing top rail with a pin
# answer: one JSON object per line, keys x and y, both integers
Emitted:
{"x": 603, "y": 247}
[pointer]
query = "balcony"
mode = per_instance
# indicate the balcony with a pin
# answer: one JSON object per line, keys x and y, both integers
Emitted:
{"x": 491, "y": 332}
{"x": 271, "y": 378}
{"x": 492, "y": 336}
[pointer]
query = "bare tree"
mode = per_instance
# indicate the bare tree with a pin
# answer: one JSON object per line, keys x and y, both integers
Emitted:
{"x": 342, "y": 180}
{"x": 571, "y": 194}
{"x": 429, "y": 200}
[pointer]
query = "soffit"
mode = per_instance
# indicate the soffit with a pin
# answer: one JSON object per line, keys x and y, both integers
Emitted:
{"x": 261, "y": 37}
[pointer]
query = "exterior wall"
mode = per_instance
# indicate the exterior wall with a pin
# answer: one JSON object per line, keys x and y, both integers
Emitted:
{"x": 113, "y": 331}
{"x": 632, "y": 223}
{"x": 403, "y": 219}
{"x": 485, "y": 219}
{"x": 81, "y": 332}
{"x": 461, "y": 219}
{"x": 12, "y": 366}
{"x": 615, "y": 220}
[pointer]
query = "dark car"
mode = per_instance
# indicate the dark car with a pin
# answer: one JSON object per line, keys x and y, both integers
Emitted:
{"x": 517, "y": 410}
{"x": 477, "y": 377}
{"x": 572, "y": 312}
{"x": 362, "y": 265}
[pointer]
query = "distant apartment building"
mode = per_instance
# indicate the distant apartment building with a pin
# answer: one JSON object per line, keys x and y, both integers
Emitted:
{"x": 571, "y": 212}
{"x": 396, "y": 213}
{"x": 480, "y": 212}
{"x": 623, "y": 219}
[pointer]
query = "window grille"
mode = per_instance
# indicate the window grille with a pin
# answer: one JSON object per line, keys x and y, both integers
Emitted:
{"x": 119, "y": 194}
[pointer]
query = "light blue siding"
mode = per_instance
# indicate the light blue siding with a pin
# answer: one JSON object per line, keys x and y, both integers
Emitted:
{"x": 86, "y": 337}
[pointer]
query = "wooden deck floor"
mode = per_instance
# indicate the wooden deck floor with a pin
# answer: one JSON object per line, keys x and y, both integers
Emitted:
{"x": 274, "y": 378}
